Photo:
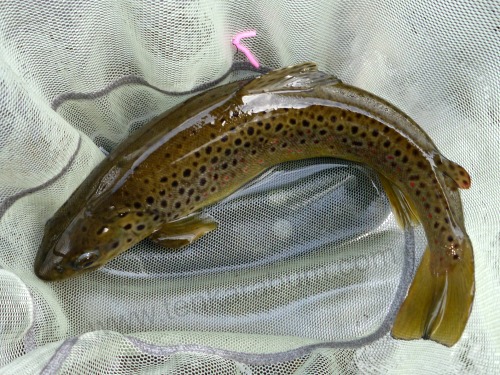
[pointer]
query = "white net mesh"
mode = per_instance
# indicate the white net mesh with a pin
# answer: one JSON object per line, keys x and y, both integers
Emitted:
{"x": 308, "y": 266}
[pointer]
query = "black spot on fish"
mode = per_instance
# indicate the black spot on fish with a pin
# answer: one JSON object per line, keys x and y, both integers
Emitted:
{"x": 237, "y": 141}
{"x": 140, "y": 227}
{"x": 177, "y": 204}
{"x": 175, "y": 183}
{"x": 137, "y": 205}
{"x": 250, "y": 130}
{"x": 203, "y": 181}
{"x": 128, "y": 226}
{"x": 387, "y": 143}
{"x": 354, "y": 129}
{"x": 181, "y": 191}
{"x": 203, "y": 169}
{"x": 208, "y": 150}
{"x": 305, "y": 123}
{"x": 150, "y": 200}
{"x": 187, "y": 172}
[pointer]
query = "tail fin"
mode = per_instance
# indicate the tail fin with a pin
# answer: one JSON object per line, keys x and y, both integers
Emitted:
{"x": 437, "y": 307}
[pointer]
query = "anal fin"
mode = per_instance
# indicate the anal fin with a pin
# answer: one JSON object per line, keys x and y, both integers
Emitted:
{"x": 180, "y": 233}
{"x": 403, "y": 209}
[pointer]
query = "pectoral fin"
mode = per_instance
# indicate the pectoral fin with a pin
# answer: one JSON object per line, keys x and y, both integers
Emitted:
{"x": 403, "y": 209}
{"x": 180, "y": 233}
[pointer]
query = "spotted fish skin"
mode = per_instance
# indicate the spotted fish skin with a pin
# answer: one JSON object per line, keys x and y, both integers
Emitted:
{"x": 206, "y": 148}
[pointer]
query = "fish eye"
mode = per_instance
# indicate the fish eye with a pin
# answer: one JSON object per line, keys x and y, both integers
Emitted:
{"x": 86, "y": 259}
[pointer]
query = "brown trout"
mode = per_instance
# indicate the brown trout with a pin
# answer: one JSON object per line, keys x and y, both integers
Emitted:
{"x": 154, "y": 184}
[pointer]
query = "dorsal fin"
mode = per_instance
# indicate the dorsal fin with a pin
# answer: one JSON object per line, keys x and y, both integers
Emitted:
{"x": 297, "y": 77}
{"x": 456, "y": 172}
{"x": 403, "y": 209}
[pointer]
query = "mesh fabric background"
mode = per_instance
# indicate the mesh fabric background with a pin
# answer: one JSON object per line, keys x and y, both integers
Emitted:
{"x": 308, "y": 266}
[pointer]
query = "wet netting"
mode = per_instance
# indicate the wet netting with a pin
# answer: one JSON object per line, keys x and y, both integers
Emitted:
{"x": 308, "y": 266}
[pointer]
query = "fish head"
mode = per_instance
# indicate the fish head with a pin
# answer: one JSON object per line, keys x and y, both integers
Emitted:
{"x": 89, "y": 241}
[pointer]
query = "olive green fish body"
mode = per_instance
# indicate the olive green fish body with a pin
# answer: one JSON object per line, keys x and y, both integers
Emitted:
{"x": 214, "y": 143}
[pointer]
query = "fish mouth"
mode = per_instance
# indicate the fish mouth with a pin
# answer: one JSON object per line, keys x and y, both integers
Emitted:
{"x": 45, "y": 267}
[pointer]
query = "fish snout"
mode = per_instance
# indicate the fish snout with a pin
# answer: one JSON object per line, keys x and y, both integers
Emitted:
{"x": 48, "y": 261}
